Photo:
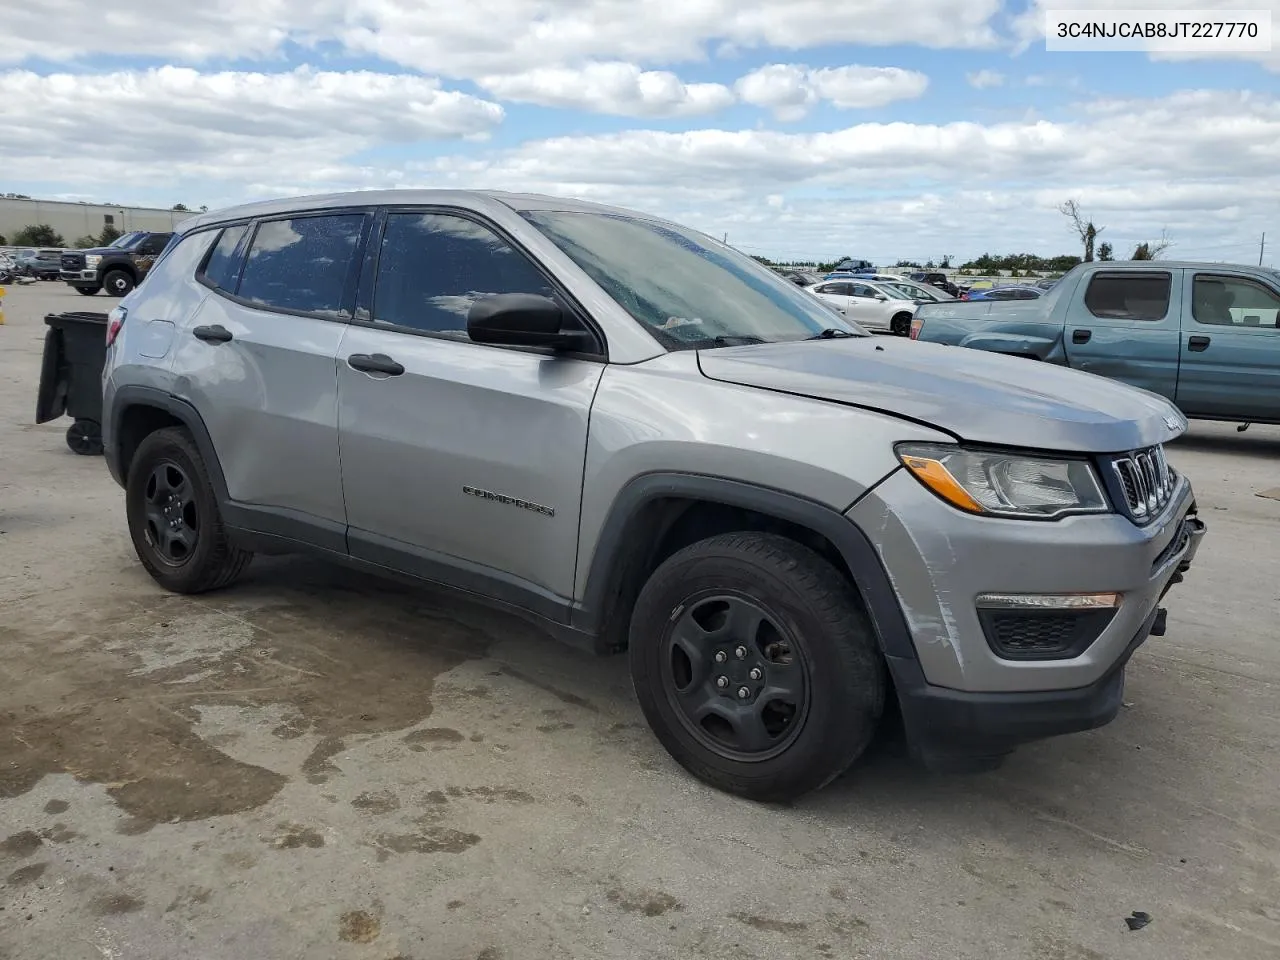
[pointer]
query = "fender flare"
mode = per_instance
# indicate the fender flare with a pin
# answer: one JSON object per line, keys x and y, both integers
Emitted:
{"x": 854, "y": 546}
{"x": 134, "y": 395}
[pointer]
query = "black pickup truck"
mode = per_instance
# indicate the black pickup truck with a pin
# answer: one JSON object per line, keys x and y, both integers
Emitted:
{"x": 116, "y": 268}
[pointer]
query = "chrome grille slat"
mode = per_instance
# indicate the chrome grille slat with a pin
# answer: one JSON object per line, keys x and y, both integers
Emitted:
{"x": 1146, "y": 480}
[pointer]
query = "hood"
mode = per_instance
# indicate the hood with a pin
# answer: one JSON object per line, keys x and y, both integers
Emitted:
{"x": 976, "y": 396}
{"x": 100, "y": 251}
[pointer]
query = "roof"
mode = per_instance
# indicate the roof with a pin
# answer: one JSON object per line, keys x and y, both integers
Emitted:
{"x": 1172, "y": 265}
{"x": 476, "y": 199}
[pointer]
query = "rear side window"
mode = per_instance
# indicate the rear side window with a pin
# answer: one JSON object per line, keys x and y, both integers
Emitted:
{"x": 302, "y": 264}
{"x": 1234, "y": 302}
{"x": 1134, "y": 296}
{"x": 432, "y": 267}
{"x": 223, "y": 267}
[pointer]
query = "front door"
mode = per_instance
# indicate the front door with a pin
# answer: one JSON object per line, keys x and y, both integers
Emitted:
{"x": 1125, "y": 326}
{"x": 461, "y": 462}
{"x": 1230, "y": 347}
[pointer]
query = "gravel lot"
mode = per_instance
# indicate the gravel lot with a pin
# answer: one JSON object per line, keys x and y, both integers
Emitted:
{"x": 316, "y": 764}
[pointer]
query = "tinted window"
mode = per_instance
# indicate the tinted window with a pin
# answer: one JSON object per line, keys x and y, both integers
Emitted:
{"x": 841, "y": 289}
{"x": 1234, "y": 301}
{"x": 222, "y": 268}
{"x": 1134, "y": 296}
{"x": 689, "y": 291}
{"x": 303, "y": 263}
{"x": 434, "y": 266}
{"x": 862, "y": 290}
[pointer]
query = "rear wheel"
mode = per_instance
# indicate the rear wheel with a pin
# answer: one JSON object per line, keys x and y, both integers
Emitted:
{"x": 88, "y": 291}
{"x": 755, "y": 665}
{"x": 173, "y": 515}
{"x": 900, "y": 325}
{"x": 117, "y": 283}
{"x": 85, "y": 438}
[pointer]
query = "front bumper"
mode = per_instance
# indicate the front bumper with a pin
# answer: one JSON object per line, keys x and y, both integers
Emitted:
{"x": 80, "y": 278}
{"x": 961, "y": 701}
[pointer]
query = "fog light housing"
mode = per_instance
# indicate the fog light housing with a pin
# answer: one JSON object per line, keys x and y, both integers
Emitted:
{"x": 1044, "y": 626}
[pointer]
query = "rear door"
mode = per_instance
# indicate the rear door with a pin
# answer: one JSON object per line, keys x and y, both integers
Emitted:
{"x": 461, "y": 462}
{"x": 1124, "y": 324}
{"x": 836, "y": 293}
{"x": 1230, "y": 346}
{"x": 866, "y": 307}
{"x": 258, "y": 361}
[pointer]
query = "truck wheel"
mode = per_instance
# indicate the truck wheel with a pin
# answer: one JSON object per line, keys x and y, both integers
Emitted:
{"x": 900, "y": 325}
{"x": 173, "y": 515}
{"x": 756, "y": 666}
{"x": 88, "y": 291}
{"x": 117, "y": 283}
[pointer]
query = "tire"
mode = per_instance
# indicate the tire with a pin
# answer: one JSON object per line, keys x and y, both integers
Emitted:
{"x": 88, "y": 291}
{"x": 815, "y": 613}
{"x": 208, "y": 560}
{"x": 85, "y": 438}
{"x": 117, "y": 283}
{"x": 900, "y": 325}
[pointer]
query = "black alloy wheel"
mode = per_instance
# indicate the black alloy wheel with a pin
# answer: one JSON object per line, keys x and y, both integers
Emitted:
{"x": 735, "y": 679}
{"x": 172, "y": 520}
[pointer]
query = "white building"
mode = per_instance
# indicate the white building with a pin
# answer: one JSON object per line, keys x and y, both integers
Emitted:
{"x": 74, "y": 220}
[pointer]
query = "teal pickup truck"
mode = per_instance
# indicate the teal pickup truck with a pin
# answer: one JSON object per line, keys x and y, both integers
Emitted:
{"x": 1204, "y": 335}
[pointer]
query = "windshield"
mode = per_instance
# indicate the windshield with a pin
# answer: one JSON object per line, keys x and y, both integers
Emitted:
{"x": 127, "y": 240}
{"x": 686, "y": 289}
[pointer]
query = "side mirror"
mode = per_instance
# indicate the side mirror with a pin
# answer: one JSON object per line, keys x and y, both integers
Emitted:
{"x": 522, "y": 320}
{"x": 881, "y": 296}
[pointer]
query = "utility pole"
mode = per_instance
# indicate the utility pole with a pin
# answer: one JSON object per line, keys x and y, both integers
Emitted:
{"x": 726, "y": 239}
{"x": 1261, "y": 247}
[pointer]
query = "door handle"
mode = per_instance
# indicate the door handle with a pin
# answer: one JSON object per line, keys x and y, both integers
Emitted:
{"x": 1081, "y": 336}
{"x": 1198, "y": 344}
{"x": 375, "y": 363}
{"x": 214, "y": 334}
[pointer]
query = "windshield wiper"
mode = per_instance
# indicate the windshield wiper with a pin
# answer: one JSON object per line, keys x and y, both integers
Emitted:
{"x": 832, "y": 333}
{"x": 737, "y": 340}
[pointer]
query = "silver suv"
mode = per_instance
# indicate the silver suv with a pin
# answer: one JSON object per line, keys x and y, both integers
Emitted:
{"x": 644, "y": 440}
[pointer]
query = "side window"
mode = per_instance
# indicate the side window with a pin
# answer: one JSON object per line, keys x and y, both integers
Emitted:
{"x": 222, "y": 267}
{"x": 861, "y": 290}
{"x": 1233, "y": 301}
{"x": 1133, "y": 296}
{"x": 302, "y": 263}
{"x": 433, "y": 266}
{"x": 829, "y": 288}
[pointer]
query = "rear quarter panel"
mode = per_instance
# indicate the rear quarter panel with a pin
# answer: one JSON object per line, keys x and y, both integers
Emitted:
{"x": 1022, "y": 328}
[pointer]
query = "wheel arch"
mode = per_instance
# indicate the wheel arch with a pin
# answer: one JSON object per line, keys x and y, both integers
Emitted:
{"x": 138, "y": 411}
{"x": 657, "y": 514}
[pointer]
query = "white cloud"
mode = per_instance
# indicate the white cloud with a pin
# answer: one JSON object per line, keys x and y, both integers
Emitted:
{"x": 1029, "y": 26}
{"x": 486, "y": 37}
{"x": 173, "y": 122}
{"x": 615, "y": 88}
{"x": 791, "y": 90}
{"x": 985, "y": 79}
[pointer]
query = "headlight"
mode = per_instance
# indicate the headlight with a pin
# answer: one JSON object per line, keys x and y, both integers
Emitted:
{"x": 92, "y": 260}
{"x": 1005, "y": 484}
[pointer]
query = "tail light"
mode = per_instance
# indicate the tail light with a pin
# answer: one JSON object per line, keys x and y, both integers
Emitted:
{"x": 916, "y": 325}
{"x": 115, "y": 320}
{"x": 964, "y": 296}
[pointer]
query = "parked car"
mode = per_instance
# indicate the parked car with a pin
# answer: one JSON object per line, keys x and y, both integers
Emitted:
{"x": 875, "y": 307}
{"x": 854, "y": 266}
{"x": 642, "y": 439}
{"x": 1203, "y": 335}
{"x": 42, "y": 264}
{"x": 935, "y": 279}
{"x": 1007, "y": 293}
{"x": 117, "y": 268}
{"x": 919, "y": 292}
{"x": 1047, "y": 283}
{"x": 976, "y": 286}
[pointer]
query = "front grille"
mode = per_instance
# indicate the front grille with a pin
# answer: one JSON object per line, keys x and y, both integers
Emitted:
{"x": 1147, "y": 481}
{"x": 73, "y": 261}
{"x": 1042, "y": 634}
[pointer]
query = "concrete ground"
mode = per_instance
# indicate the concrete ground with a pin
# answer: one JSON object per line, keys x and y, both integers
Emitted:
{"x": 316, "y": 764}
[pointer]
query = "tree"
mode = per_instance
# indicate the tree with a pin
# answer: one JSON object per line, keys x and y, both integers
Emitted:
{"x": 39, "y": 235}
{"x": 1152, "y": 249}
{"x": 181, "y": 207}
{"x": 945, "y": 262}
{"x": 204, "y": 208}
{"x": 1082, "y": 225}
{"x": 109, "y": 236}
{"x": 4, "y": 242}
{"x": 928, "y": 265}
{"x": 85, "y": 242}
{"x": 1104, "y": 251}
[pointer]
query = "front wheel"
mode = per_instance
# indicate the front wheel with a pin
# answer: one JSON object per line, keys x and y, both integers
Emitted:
{"x": 900, "y": 325}
{"x": 174, "y": 520}
{"x": 756, "y": 666}
{"x": 117, "y": 283}
{"x": 85, "y": 438}
{"x": 88, "y": 291}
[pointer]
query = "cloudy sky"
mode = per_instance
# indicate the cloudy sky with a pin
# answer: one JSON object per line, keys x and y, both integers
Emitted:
{"x": 883, "y": 129}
